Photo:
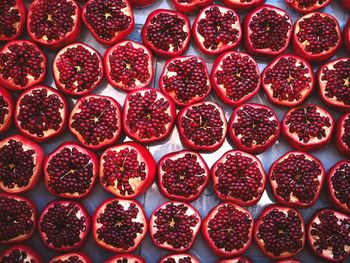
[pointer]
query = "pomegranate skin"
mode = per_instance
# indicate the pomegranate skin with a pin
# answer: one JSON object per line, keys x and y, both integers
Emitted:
{"x": 243, "y": 5}
{"x": 20, "y": 24}
{"x": 32, "y": 255}
{"x": 346, "y": 33}
{"x": 345, "y": 3}
{"x": 141, "y": 3}
{"x": 191, "y": 7}
{"x": 307, "y": 9}
{"x": 341, "y": 131}
{"x": 82, "y": 257}
{"x": 8, "y": 117}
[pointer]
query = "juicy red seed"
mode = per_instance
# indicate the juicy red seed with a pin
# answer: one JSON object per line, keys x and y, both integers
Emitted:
{"x": 238, "y": 76}
{"x": 4, "y": 109}
{"x": 281, "y": 232}
{"x": 346, "y": 135}
{"x": 173, "y": 226}
{"x": 179, "y": 260}
{"x": 21, "y": 63}
{"x": 119, "y": 227}
{"x": 269, "y": 30}
{"x": 341, "y": 184}
{"x": 303, "y": 4}
{"x": 52, "y": 20}
{"x": 187, "y": 78}
{"x": 125, "y": 260}
{"x": 319, "y": 33}
{"x": 16, "y": 164}
{"x": 9, "y": 18}
{"x": 71, "y": 259}
{"x": 331, "y": 233}
{"x": 229, "y": 228}
{"x": 17, "y": 256}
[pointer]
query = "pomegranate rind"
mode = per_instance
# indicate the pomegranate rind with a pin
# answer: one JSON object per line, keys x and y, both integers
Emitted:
{"x": 31, "y": 254}
{"x": 20, "y": 25}
{"x": 243, "y": 6}
{"x": 316, "y": 6}
{"x": 141, "y": 3}
{"x": 345, "y": 3}
{"x": 346, "y": 34}
{"x": 290, "y": 260}
{"x": 191, "y": 7}
{"x": 81, "y": 256}
{"x": 130, "y": 258}
{"x": 235, "y": 260}
{"x": 177, "y": 257}
{"x": 8, "y": 118}
{"x": 339, "y": 143}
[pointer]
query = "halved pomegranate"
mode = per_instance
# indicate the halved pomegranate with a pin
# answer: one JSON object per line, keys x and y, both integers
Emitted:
{"x": 129, "y": 66}
{"x": 13, "y": 16}
{"x": 109, "y": 21}
{"x": 328, "y": 234}
{"x": 20, "y": 164}
{"x": 334, "y": 84}
{"x": 296, "y": 179}
{"x": 18, "y": 218}
{"x": 346, "y": 33}
{"x": 166, "y": 32}
{"x": 345, "y": 3}
{"x": 217, "y": 29}
{"x": 95, "y": 121}
{"x": 238, "y": 177}
{"x": 174, "y": 226}
{"x": 119, "y": 225}
{"x": 182, "y": 175}
{"x": 125, "y": 258}
{"x": 243, "y": 5}
{"x": 316, "y": 37}
{"x": 307, "y": 6}
{"x": 279, "y": 232}
{"x": 190, "y": 6}
{"x": 148, "y": 115}
{"x": 185, "y": 80}
{"x": 6, "y": 110}
{"x": 288, "y": 80}
{"x": 22, "y": 65}
{"x": 74, "y": 257}
{"x": 202, "y": 126}
{"x": 308, "y": 127}
{"x": 127, "y": 170}
{"x": 228, "y": 230}
{"x": 288, "y": 260}
{"x": 342, "y": 136}
{"x": 235, "y": 77}
{"x": 254, "y": 128}
{"x": 77, "y": 69}
{"x": 20, "y": 253}
{"x": 41, "y": 113}
{"x": 268, "y": 31}
{"x": 141, "y": 3}
{"x": 236, "y": 260}
{"x": 179, "y": 258}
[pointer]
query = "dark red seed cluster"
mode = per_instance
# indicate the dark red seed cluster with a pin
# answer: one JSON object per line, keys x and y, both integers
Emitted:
{"x": 9, "y": 17}
{"x": 4, "y": 110}
{"x": 302, "y": 4}
{"x": 341, "y": 184}
{"x": 16, "y": 256}
{"x": 71, "y": 259}
{"x": 180, "y": 260}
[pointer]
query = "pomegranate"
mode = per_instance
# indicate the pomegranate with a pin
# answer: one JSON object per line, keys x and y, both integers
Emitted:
{"x": 18, "y": 218}
{"x": 236, "y": 260}
{"x": 77, "y": 69}
{"x": 308, "y": 127}
{"x": 243, "y": 5}
{"x": 174, "y": 226}
{"x": 6, "y": 110}
{"x": 129, "y": 66}
{"x": 202, "y": 126}
{"x": 190, "y": 6}
{"x": 279, "y": 232}
{"x": 268, "y": 31}
{"x": 185, "y": 80}
{"x": 20, "y": 164}
{"x": 74, "y": 257}
{"x": 13, "y": 16}
{"x": 253, "y": 128}
{"x": 288, "y": 80}
{"x": 346, "y": 34}
{"x": 127, "y": 170}
{"x": 119, "y": 225}
{"x": 179, "y": 258}
{"x": 22, "y": 65}
{"x": 182, "y": 176}
{"x": 95, "y": 121}
{"x": 307, "y": 6}
{"x": 228, "y": 230}
{"x": 64, "y": 225}
{"x": 141, "y": 3}
{"x": 288, "y": 260}
{"x": 166, "y": 33}
{"x": 316, "y": 37}
{"x": 235, "y": 77}
{"x": 338, "y": 182}
{"x": 342, "y": 137}
{"x": 296, "y": 179}
{"x": 334, "y": 83}
{"x": 238, "y": 177}
{"x": 328, "y": 234}
{"x": 125, "y": 258}
{"x": 217, "y": 29}
{"x": 148, "y": 115}
{"x": 345, "y": 3}
{"x": 41, "y": 113}
{"x": 20, "y": 253}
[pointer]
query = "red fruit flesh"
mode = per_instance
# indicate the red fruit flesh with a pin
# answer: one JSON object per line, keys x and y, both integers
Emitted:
{"x": 20, "y": 253}
{"x": 148, "y": 115}
{"x": 41, "y": 113}
{"x": 296, "y": 179}
{"x": 141, "y": 3}
{"x": 279, "y": 232}
{"x": 236, "y": 260}
{"x": 268, "y": 31}
{"x": 346, "y": 33}
{"x": 20, "y": 164}
{"x": 166, "y": 33}
{"x": 179, "y": 258}
{"x": 6, "y": 110}
{"x": 307, "y": 6}
{"x": 235, "y": 78}
{"x": 174, "y": 226}
{"x": 74, "y": 257}
{"x": 238, "y": 177}
{"x": 190, "y": 6}
{"x": 185, "y": 80}
{"x": 243, "y": 5}
{"x": 12, "y": 19}
{"x": 109, "y": 21}
{"x": 217, "y": 29}
{"x": 119, "y": 225}
{"x": 22, "y": 65}
{"x": 328, "y": 235}
{"x": 77, "y": 69}
{"x": 228, "y": 230}
{"x": 254, "y": 128}
{"x": 125, "y": 258}
{"x": 308, "y": 127}
{"x": 95, "y": 121}
{"x": 202, "y": 126}
{"x": 342, "y": 137}
{"x": 64, "y": 225}
{"x": 288, "y": 80}
{"x": 129, "y": 66}
{"x": 127, "y": 170}
{"x": 17, "y": 218}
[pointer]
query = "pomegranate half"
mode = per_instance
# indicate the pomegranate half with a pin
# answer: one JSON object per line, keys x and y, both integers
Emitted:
{"x": 303, "y": 6}
{"x": 20, "y": 253}
{"x": 179, "y": 258}
{"x": 6, "y": 110}
{"x": 73, "y": 257}
{"x": 125, "y": 258}
{"x": 342, "y": 135}
{"x": 13, "y": 14}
